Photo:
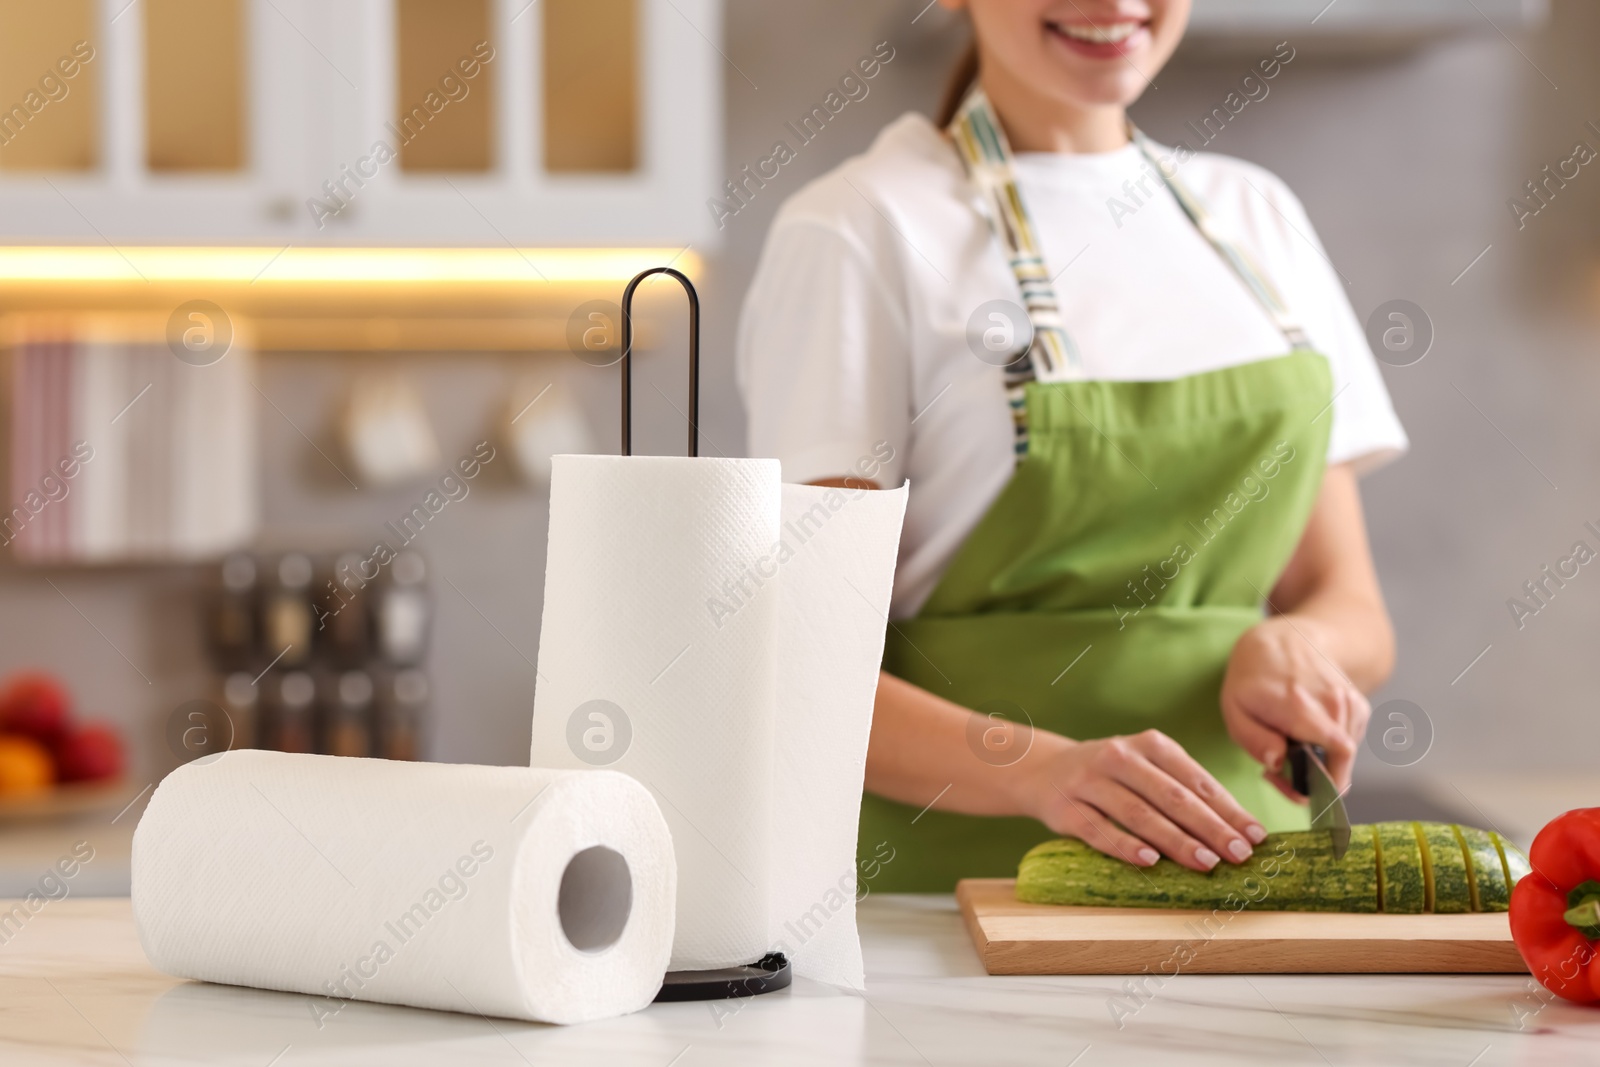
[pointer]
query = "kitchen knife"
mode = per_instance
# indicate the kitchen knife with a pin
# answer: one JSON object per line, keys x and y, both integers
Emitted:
{"x": 1309, "y": 776}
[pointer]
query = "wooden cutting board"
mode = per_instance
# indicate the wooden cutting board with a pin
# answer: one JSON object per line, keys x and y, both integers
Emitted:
{"x": 1016, "y": 938}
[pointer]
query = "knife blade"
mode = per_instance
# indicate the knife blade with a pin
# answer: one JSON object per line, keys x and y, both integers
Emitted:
{"x": 1310, "y": 778}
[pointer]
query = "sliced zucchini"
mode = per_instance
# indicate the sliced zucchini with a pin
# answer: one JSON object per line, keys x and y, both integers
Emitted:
{"x": 1423, "y": 867}
{"x": 1405, "y": 891}
{"x": 1516, "y": 864}
{"x": 1445, "y": 863}
{"x": 1487, "y": 870}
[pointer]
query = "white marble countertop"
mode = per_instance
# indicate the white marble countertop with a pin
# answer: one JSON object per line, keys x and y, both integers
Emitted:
{"x": 75, "y": 989}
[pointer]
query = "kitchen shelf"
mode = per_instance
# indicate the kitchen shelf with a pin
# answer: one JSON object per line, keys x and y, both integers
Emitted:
{"x": 67, "y": 799}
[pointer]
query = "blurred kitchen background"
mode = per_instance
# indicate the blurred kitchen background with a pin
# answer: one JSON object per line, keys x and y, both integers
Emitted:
{"x": 330, "y": 333}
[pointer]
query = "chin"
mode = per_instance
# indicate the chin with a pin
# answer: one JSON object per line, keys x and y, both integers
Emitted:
{"x": 1098, "y": 57}
{"x": 1112, "y": 90}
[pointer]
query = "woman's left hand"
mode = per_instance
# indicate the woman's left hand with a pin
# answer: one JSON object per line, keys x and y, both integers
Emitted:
{"x": 1279, "y": 686}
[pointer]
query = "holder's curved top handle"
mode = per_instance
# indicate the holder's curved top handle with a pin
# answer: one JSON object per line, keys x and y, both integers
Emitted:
{"x": 627, "y": 358}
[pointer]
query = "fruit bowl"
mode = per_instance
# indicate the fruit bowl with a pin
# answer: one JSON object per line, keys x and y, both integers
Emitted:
{"x": 52, "y": 764}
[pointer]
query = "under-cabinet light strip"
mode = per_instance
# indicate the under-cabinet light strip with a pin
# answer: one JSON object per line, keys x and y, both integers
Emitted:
{"x": 266, "y": 266}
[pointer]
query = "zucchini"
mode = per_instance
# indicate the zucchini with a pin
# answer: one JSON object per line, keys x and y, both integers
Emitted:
{"x": 1400, "y": 870}
{"x": 1289, "y": 872}
{"x": 1423, "y": 867}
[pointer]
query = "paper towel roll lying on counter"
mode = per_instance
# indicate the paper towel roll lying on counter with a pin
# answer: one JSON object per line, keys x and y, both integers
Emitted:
{"x": 532, "y": 894}
{"x": 717, "y": 635}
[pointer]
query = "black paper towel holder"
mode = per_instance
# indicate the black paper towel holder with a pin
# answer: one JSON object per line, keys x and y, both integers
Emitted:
{"x": 694, "y": 357}
{"x": 772, "y": 971}
{"x": 766, "y": 975}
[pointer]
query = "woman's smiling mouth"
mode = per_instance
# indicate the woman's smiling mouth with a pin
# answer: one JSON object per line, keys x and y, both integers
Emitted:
{"x": 1102, "y": 40}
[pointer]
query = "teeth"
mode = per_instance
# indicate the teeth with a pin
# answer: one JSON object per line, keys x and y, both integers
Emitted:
{"x": 1106, "y": 34}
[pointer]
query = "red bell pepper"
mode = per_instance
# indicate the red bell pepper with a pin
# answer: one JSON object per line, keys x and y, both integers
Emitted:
{"x": 1555, "y": 909}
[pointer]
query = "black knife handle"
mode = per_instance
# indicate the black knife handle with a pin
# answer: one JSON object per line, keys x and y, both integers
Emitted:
{"x": 1299, "y": 766}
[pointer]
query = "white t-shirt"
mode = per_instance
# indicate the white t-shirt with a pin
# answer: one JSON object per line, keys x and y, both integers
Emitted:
{"x": 855, "y": 327}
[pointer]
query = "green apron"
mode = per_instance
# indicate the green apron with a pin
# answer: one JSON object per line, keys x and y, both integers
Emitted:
{"x": 1103, "y": 591}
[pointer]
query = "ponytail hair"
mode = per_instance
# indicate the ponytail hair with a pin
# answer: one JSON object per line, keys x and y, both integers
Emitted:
{"x": 962, "y": 78}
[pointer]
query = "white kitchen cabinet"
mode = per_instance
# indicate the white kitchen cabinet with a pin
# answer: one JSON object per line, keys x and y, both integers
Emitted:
{"x": 322, "y": 82}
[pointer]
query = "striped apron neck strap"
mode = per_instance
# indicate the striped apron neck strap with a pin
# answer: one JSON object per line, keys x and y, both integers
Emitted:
{"x": 981, "y": 144}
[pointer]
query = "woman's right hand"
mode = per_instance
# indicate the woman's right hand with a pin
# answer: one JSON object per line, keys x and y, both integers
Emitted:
{"x": 1135, "y": 797}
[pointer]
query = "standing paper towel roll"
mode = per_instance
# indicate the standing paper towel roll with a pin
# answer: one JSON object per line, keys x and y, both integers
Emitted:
{"x": 636, "y": 674}
{"x": 717, "y": 635}
{"x": 532, "y": 894}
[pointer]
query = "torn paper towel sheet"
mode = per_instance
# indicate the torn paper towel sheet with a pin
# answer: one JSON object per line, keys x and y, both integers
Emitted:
{"x": 717, "y": 635}
{"x": 832, "y": 613}
{"x": 532, "y": 894}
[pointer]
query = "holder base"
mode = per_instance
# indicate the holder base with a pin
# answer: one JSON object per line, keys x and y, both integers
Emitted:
{"x": 766, "y": 975}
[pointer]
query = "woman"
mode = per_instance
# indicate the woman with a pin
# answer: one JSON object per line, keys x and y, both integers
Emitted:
{"x": 1134, "y": 520}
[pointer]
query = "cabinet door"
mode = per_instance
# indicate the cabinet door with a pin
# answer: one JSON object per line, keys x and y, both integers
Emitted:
{"x": 460, "y": 122}
{"x": 604, "y": 123}
{"x": 195, "y": 125}
{"x": 54, "y": 78}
